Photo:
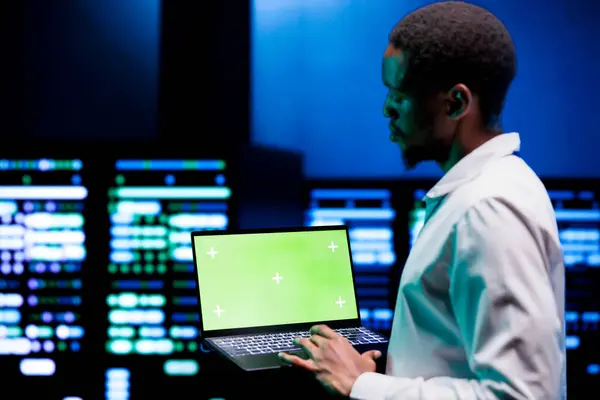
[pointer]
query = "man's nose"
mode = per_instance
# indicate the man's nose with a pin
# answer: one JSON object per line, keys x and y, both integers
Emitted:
{"x": 388, "y": 111}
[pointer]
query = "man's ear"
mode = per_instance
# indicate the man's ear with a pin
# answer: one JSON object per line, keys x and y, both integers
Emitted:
{"x": 459, "y": 101}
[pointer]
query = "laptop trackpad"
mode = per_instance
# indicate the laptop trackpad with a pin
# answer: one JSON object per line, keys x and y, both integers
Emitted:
{"x": 298, "y": 353}
{"x": 265, "y": 361}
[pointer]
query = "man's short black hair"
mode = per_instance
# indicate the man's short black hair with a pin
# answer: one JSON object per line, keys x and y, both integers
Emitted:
{"x": 454, "y": 42}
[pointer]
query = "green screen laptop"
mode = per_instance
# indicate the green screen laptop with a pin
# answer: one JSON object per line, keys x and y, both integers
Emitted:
{"x": 259, "y": 289}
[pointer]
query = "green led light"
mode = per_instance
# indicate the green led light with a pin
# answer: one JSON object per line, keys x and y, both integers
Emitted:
{"x": 126, "y": 332}
{"x": 45, "y": 332}
{"x": 119, "y": 346}
{"x": 190, "y": 164}
{"x": 13, "y": 331}
{"x": 180, "y": 268}
{"x": 177, "y": 284}
{"x": 112, "y": 300}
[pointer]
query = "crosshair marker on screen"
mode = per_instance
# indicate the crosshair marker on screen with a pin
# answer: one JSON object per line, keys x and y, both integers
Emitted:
{"x": 219, "y": 310}
{"x": 212, "y": 253}
{"x": 333, "y": 246}
{"x": 277, "y": 277}
{"x": 340, "y": 302}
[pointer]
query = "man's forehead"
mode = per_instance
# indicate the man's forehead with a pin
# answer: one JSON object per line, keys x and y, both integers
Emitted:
{"x": 392, "y": 51}
{"x": 394, "y": 67}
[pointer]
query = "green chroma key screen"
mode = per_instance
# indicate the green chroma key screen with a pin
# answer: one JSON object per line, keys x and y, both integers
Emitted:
{"x": 262, "y": 279}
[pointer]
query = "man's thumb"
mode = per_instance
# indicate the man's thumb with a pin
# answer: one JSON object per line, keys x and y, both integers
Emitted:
{"x": 373, "y": 354}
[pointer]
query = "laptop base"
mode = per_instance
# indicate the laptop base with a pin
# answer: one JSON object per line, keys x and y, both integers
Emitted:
{"x": 257, "y": 362}
{"x": 272, "y": 361}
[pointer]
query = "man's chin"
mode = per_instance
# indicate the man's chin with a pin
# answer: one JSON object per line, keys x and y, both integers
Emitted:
{"x": 410, "y": 166}
{"x": 410, "y": 163}
{"x": 414, "y": 155}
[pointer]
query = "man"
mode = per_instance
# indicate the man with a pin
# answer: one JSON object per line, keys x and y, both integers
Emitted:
{"x": 480, "y": 306}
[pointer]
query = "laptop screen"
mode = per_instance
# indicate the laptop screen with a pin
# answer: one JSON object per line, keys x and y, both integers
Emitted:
{"x": 276, "y": 278}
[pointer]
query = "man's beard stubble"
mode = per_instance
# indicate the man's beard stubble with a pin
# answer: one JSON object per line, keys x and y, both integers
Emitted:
{"x": 432, "y": 149}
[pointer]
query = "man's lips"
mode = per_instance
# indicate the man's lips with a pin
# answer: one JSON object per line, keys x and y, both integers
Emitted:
{"x": 395, "y": 134}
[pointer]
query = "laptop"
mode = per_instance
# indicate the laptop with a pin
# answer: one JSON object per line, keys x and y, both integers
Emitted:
{"x": 260, "y": 289}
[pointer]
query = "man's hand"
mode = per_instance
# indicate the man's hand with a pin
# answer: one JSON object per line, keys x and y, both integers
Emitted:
{"x": 336, "y": 364}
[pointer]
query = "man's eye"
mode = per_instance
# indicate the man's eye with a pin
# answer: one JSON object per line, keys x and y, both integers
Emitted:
{"x": 398, "y": 98}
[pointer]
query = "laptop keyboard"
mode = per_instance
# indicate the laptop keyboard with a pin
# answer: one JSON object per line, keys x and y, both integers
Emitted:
{"x": 237, "y": 346}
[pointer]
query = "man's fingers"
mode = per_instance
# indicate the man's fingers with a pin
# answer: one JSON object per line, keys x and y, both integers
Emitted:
{"x": 372, "y": 354}
{"x": 298, "y": 362}
{"x": 318, "y": 340}
{"x": 308, "y": 346}
{"x": 324, "y": 330}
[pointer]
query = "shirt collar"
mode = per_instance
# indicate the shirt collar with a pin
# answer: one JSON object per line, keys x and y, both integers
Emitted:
{"x": 470, "y": 166}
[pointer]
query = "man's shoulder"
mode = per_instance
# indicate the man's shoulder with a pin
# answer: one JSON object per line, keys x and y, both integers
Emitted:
{"x": 511, "y": 182}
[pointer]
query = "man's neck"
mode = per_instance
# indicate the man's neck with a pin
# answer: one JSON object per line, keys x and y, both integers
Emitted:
{"x": 461, "y": 148}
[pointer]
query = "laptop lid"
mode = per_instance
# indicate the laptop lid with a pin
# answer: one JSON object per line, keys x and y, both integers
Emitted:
{"x": 274, "y": 280}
